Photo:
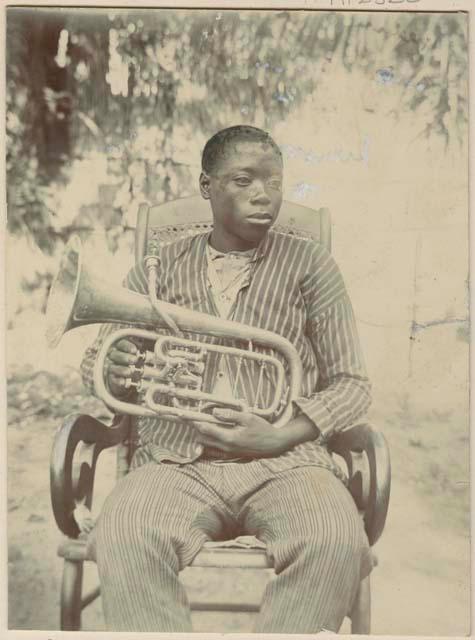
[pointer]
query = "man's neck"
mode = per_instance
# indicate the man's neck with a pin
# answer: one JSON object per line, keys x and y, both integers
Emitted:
{"x": 225, "y": 243}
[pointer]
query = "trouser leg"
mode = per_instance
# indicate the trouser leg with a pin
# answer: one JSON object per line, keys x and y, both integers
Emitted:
{"x": 313, "y": 531}
{"x": 151, "y": 526}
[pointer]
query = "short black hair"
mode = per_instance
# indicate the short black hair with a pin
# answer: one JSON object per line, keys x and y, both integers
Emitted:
{"x": 216, "y": 147}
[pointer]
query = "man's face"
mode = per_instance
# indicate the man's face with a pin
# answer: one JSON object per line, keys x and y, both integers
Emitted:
{"x": 245, "y": 192}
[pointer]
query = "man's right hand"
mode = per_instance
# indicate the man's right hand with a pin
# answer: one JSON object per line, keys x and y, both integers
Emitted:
{"x": 118, "y": 366}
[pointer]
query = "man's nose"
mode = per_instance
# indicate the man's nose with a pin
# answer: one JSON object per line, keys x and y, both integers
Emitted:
{"x": 259, "y": 194}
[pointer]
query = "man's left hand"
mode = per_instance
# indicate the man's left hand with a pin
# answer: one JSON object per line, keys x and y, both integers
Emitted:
{"x": 245, "y": 435}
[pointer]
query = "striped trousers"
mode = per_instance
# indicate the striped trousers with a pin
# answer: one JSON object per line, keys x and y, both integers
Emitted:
{"x": 158, "y": 517}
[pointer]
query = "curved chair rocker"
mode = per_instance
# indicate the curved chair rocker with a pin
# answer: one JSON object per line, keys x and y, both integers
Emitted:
{"x": 81, "y": 438}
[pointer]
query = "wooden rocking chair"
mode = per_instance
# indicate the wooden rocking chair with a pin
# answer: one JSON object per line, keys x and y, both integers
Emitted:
{"x": 81, "y": 438}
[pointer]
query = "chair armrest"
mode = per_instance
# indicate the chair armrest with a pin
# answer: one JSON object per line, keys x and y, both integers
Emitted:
{"x": 366, "y": 454}
{"x": 76, "y": 448}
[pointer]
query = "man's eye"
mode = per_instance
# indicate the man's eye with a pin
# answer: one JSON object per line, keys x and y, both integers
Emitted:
{"x": 242, "y": 181}
{"x": 275, "y": 184}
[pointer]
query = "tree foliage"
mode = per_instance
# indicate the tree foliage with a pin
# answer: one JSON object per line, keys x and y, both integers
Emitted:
{"x": 141, "y": 86}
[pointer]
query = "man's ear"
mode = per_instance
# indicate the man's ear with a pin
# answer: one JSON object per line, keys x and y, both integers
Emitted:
{"x": 205, "y": 184}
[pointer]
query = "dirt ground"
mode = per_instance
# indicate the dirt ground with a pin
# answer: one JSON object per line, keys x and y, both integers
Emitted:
{"x": 421, "y": 586}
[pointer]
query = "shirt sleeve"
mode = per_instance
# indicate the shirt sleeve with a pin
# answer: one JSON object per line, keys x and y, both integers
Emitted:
{"x": 344, "y": 390}
{"x": 136, "y": 280}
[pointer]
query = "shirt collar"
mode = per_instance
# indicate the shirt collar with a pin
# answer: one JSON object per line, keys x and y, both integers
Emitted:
{"x": 214, "y": 254}
{"x": 261, "y": 249}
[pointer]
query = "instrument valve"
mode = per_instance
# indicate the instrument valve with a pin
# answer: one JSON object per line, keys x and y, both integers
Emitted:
{"x": 136, "y": 374}
{"x": 141, "y": 359}
{"x": 129, "y": 383}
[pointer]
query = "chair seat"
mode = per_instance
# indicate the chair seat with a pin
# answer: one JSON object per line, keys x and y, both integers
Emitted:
{"x": 229, "y": 554}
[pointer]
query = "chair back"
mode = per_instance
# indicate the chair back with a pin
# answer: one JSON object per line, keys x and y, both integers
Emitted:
{"x": 176, "y": 219}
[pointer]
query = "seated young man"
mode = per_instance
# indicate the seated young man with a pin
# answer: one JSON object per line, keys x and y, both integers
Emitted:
{"x": 195, "y": 482}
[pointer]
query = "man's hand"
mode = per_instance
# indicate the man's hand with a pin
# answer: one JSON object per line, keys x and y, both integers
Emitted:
{"x": 243, "y": 434}
{"x": 118, "y": 366}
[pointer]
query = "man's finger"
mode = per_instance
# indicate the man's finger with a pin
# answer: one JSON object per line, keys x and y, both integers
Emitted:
{"x": 119, "y": 381}
{"x": 121, "y": 357}
{"x": 220, "y": 434}
{"x": 118, "y": 371}
{"x": 211, "y": 442}
{"x": 126, "y": 345}
{"x": 229, "y": 415}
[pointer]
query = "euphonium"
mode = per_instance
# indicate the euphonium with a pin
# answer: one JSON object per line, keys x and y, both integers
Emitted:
{"x": 169, "y": 377}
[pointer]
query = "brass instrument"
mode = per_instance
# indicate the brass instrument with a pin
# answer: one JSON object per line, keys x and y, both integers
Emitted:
{"x": 169, "y": 378}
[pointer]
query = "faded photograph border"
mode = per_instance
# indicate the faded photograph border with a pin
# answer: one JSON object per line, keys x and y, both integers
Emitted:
{"x": 429, "y": 292}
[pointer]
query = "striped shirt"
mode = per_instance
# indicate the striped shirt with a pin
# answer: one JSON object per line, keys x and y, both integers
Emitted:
{"x": 294, "y": 289}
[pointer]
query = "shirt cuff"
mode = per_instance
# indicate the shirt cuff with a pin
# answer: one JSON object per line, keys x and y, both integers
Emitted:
{"x": 316, "y": 411}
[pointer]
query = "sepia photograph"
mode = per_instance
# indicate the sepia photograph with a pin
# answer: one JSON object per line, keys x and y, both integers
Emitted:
{"x": 237, "y": 320}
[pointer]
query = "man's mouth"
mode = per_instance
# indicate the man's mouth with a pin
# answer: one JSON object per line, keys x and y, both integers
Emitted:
{"x": 261, "y": 217}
